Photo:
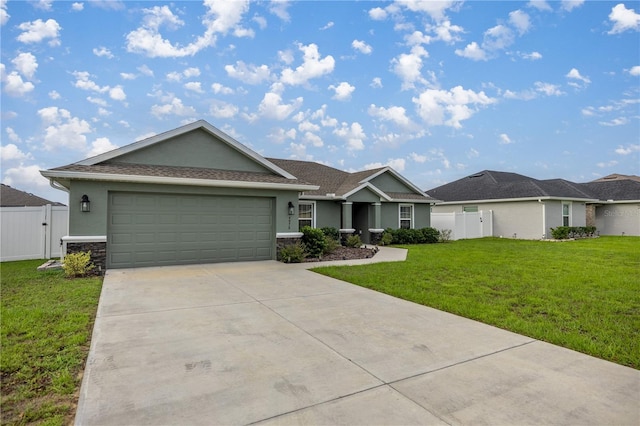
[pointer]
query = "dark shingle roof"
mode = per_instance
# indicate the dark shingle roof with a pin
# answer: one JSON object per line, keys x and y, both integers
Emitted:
{"x": 177, "y": 172}
{"x": 11, "y": 197}
{"x": 492, "y": 185}
{"x": 618, "y": 189}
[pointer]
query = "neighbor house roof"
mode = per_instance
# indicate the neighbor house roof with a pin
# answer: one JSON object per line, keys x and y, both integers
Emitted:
{"x": 11, "y": 197}
{"x": 616, "y": 176}
{"x": 493, "y": 185}
{"x": 334, "y": 183}
{"x": 614, "y": 190}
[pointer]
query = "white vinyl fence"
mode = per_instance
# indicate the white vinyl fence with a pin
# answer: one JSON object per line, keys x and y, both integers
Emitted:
{"x": 464, "y": 224}
{"x": 32, "y": 232}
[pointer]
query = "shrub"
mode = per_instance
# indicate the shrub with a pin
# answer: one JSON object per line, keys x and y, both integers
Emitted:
{"x": 314, "y": 241}
{"x": 293, "y": 253}
{"x": 353, "y": 241}
{"x": 445, "y": 235}
{"x": 414, "y": 236}
{"x": 77, "y": 264}
{"x": 428, "y": 235}
{"x": 332, "y": 232}
{"x": 565, "y": 232}
{"x": 331, "y": 244}
{"x": 386, "y": 238}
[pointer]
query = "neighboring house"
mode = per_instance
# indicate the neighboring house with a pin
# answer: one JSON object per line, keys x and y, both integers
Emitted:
{"x": 522, "y": 207}
{"x": 30, "y": 226}
{"x": 196, "y": 195}
{"x": 618, "y": 210}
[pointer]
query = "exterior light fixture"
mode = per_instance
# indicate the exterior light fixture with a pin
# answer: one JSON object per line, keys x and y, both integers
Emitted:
{"x": 85, "y": 204}
{"x": 291, "y": 208}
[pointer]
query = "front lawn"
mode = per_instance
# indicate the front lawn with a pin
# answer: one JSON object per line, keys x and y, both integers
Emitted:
{"x": 583, "y": 295}
{"x": 47, "y": 321}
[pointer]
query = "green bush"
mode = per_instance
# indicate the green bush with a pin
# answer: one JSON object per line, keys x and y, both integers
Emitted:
{"x": 332, "y": 232}
{"x": 314, "y": 241}
{"x": 331, "y": 244}
{"x": 429, "y": 235}
{"x": 565, "y": 232}
{"x": 293, "y": 253}
{"x": 353, "y": 241}
{"x": 414, "y": 236}
{"x": 386, "y": 238}
{"x": 77, "y": 264}
{"x": 445, "y": 236}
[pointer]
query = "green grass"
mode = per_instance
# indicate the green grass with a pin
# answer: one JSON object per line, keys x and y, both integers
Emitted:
{"x": 583, "y": 295}
{"x": 47, "y": 321}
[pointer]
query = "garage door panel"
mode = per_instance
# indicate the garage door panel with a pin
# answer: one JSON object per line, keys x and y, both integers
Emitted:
{"x": 166, "y": 229}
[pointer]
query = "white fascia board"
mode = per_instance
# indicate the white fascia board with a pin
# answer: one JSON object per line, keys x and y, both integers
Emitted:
{"x": 397, "y": 176}
{"x": 84, "y": 238}
{"x": 371, "y": 187}
{"x": 161, "y": 180}
{"x": 321, "y": 198}
{"x": 508, "y": 200}
{"x": 618, "y": 202}
{"x": 413, "y": 201}
{"x": 200, "y": 124}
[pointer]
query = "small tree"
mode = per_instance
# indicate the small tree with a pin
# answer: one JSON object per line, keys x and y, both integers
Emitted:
{"x": 77, "y": 264}
{"x": 314, "y": 241}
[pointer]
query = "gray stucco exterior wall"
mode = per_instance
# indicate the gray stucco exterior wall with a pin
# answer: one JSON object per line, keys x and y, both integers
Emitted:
{"x": 328, "y": 214}
{"x": 614, "y": 219}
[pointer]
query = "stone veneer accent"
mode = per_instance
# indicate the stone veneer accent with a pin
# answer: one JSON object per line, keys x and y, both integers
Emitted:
{"x": 375, "y": 237}
{"x": 285, "y": 242}
{"x": 344, "y": 235}
{"x": 98, "y": 253}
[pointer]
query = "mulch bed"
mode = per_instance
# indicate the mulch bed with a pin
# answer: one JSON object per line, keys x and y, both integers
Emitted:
{"x": 346, "y": 253}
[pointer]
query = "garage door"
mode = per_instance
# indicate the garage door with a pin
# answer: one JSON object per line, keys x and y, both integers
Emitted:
{"x": 164, "y": 229}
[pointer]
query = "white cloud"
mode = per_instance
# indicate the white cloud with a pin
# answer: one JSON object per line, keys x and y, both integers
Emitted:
{"x": 43, "y": 4}
{"x": 100, "y": 146}
{"x": 308, "y": 126}
{"x": 4, "y": 16}
{"x": 26, "y": 64}
{"x": 63, "y": 130}
{"x": 446, "y": 32}
{"x": 25, "y": 177}
{"x": 250, "y": 74}
{"x": 117, "y": 94}
{"x": 472, "y": 51}
{"x": 395, "y": 114}
{"x": 145, "y": 70}
{"x": 548, "y": 89}
{"x": 343, "y": 91}
{"x": 473, "y": 153}
{"x": 327, "y": 26}
{"x": 450, "y": 107}
{"x": 620, "y": 121}
{"x": 286, "y": 56}
{"x": 221, "y": 89}
{"x": 194, "y": 86}
{"x": 353, "y": 135}
{"x": 173, "y": 107}
{"x": 261, "y": 21}
{"x": 540, "y": 5}
{"x": 504, "y": 139}
{"x": 498, "y": 38}
{"x": 635, "y": 70}
{"x": 14, "y": 85}
{"x": 603, "y": 165}
{"x": 418, "y": 158}
{"x": 313, "y": 139}
{"x": 97, "y": 101}
{"x": 279, "y": 8}
{"x": 223, "y": 110}
{"x": 520, "y": 20}
{"x": 77, "y": 7}
{"x": 362, "y": 47}
{"x": 569, "y": 5}
{"x": 533, "y": 56}
{"x": 39, "y": 30}
{"x": 435, "y": 9}
{"x": 102, "y": 51}
{"x": 376, "y": 83}
{"x": 12, "y": 135}
{"x": 279, "y": 135}
{"x": 84, "y": 82}
{"x": 623, "y": 19}
{"x": 12, "y": 152}
{"x": 631, "y": 148}
{"x": 408, "y": 66}
{"x": 378, "y": 14}
{"x": 575, "y": 75}
{"x": 397, "y": 164}
{"x": 272, "y": 106}
{"x": 312, "y": 67}
{"x": 221, "y": 17}
{"x": 128, "y": 76}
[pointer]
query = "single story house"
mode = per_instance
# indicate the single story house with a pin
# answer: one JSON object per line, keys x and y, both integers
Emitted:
{"x": 196, "y": 195}
{"x": 522, "y": 207}
{"x": 618, "y": 210}
{"x": 11, "y": 197}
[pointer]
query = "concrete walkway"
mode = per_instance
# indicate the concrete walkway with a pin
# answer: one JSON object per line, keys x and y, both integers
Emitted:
{"x": 268, "y": 343}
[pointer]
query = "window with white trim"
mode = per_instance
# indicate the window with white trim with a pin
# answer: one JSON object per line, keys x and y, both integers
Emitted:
{"x": 566, "y": 214}
{"x": 306, "y": 214}
{"x": 406, "y": 216}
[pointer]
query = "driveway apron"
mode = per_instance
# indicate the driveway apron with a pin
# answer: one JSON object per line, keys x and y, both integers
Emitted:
{"x": 268, "y": 343}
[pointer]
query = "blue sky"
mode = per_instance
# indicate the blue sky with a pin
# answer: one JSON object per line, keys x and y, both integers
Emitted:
{"x": 437, "y": 90}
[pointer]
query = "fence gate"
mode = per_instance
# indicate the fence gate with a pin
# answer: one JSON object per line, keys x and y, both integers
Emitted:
{"x": 465, "y": 224}
{"x": 32, "y": 232}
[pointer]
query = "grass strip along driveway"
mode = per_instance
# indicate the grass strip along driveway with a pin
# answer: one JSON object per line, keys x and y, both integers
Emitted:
{"x": 583, "y": 295}
{"x": 46, "y": 329}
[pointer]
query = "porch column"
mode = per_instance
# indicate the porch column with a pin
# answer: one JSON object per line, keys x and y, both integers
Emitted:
{"x": 347, "y": 215}
{"x": 375, "y": 233}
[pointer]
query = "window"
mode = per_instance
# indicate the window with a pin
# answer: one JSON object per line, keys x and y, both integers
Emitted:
{"x": 566, "y": 214}
{"x": 470, "y": 209}
{"x": 305, "y": 215}
{"x": 406, "y": 216}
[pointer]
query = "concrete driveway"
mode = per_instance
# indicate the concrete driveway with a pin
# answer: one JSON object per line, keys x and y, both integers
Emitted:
{"x": 269, "y": 343}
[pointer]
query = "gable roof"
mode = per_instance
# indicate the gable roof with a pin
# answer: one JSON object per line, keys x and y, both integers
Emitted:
{"x": 493, "y": 185}
{"x": 11, "y": 197}
{"x": 338, "y": 184}
{"x": 105, "y": 167}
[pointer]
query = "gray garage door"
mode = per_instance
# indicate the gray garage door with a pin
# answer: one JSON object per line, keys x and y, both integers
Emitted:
{"x": 165, "y": 229}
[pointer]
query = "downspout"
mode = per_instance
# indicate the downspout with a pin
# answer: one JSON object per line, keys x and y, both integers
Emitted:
{"x": 544, "y": 219}
{"x": 56, "y": 185}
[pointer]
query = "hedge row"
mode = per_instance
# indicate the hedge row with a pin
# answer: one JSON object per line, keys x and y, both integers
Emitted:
{"x": 565, "y": 232}
{"x": 413, "y": 236}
